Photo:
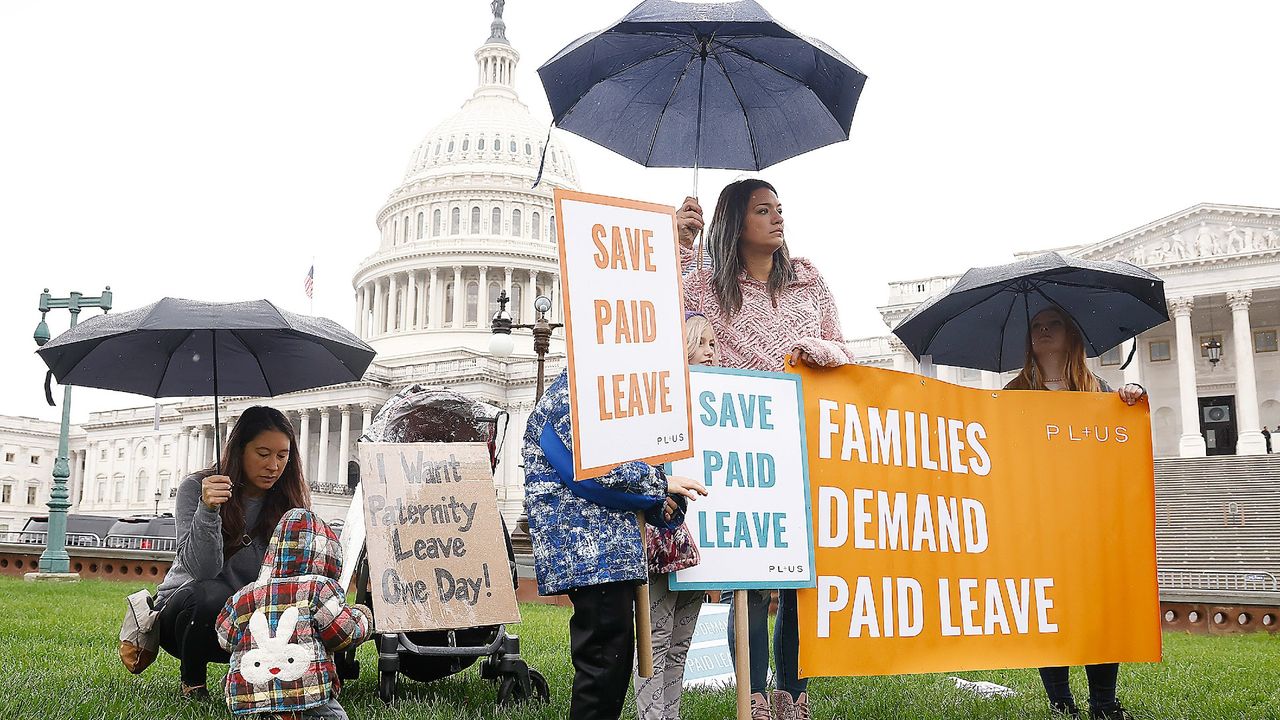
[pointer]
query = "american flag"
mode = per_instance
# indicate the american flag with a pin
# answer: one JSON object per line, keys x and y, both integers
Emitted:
{"x": 309, "y": 283}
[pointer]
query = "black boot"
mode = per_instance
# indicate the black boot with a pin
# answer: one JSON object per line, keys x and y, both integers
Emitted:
{"x": 1065, "y": 709}
{"x": 1110, "y": 712}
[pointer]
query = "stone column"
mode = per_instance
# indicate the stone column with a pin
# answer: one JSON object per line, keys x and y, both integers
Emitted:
{"x": 304, "y": 442}
{"x": 901, "y": 356}
{"x": 482, "y": 298}
{"x": 506, "y": 285}
{"x": 1191, "y": 444}
{"x": 344, "y": 444}
{"x": 436, "y": 309}
{"x": 423, "y": 293}
{"x": 200, "y": 448}
{"x": 556, "y": 310}
{"x": 391, "y": 303}
{"x": 1249, "y": 438}
{"x": 378, "y": 310}
{"x": 322, "y": 468}
{"x": 530, "y": 295}
{"x": 367, "y": 408}
{"x": 406, "y": 319}
{"x": 184, "y": 454}
{"x": 365, "y": 302}
{"x": 459, "y": 297}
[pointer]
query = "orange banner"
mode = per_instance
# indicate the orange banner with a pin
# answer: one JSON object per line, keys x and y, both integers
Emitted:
{"x": 960, "y": 529}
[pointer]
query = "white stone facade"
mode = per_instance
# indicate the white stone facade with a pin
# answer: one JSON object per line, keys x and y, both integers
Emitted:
{"x": 1221, "y": 267}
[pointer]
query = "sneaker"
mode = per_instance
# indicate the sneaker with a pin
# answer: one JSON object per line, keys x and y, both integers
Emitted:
{"x": 802, "y": 707}
{"x": 194, "y": 692}
{"x": 787, "y": 708}
{"x": 760, "y": 707}
{"x": 1114, "y": 712}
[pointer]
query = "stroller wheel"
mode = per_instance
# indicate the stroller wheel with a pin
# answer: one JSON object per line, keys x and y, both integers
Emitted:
{"x": 387, "y": 686}
{"x": 510, "y": 692}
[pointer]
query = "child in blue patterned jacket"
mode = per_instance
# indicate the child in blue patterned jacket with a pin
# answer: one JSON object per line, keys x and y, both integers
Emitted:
{"x": 586, "y": 544}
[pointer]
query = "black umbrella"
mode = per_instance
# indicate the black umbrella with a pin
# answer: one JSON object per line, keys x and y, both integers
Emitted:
{"x": 983, "y": 321}
{"x": 181, "y": 348}
{"x": 716, "y": 85}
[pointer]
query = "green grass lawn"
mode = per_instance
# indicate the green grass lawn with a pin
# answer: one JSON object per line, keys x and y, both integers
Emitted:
{"x": 58, "y": 659}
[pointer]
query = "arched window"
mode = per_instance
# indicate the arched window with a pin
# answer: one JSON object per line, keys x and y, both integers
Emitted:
{"x": 553, "y": 228}
{"x": 450, "y": 144}
{"x": 537, "y": 226}
{"x": 497, "y": 143}
{"x": 395, "y": 229}
{"x": 140, "y": 487}
{"x": 495, "y": 221}
{"x": 405, "y": 236}
{"x": 516, "y": 308}
{"x": 422, "y": 224}
{"x": 102, "y": 488}
{"x": 166, "y": 483}
{"x": 475, "y": 219}
{"x": 517, "y": 224}
{"x": 466, "y": 144}
{"x": 494, "y": 291}
{"x": 473, "y": 301}
{"x": 435, "y": 223}
{"x": 513, "y": 144}
{"x": 455, "y": 221}
{"x": 437, "y": 152}
{"x": 448, "y": 305}
{"x": 480, "y": 144}
{"x": 118, "y": 494}
{"x": 528, "y": 149}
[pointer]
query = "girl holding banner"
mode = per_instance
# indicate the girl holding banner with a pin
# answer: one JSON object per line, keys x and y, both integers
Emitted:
{"x": 1056, "y": 361}
{"x": 765, "y": 305}
{"x": 586, "y": 544}
{"x": 674, "y": 613}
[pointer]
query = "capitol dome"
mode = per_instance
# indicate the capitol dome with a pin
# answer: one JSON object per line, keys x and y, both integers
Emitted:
{"x": 466, "y": 224}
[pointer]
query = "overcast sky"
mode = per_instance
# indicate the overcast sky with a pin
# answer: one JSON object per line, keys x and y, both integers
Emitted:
{"x": 210, "y": 150}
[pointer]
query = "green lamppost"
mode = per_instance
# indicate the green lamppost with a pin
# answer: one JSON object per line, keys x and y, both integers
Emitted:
{"x": 54, "y": 561}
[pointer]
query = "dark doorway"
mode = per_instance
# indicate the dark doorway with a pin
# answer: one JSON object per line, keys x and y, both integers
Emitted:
{"x": 1218, "y": 424}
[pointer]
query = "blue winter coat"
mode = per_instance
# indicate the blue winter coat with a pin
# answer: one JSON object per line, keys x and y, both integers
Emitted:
{"x": 584, "y": 532}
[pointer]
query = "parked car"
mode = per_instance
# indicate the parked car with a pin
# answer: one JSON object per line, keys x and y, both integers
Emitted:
{"x": 82, "y": 530}
{"x": 143, "y": 532}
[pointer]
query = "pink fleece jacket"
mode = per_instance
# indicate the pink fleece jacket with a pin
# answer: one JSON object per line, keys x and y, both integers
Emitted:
{"x": 760, "y": 335}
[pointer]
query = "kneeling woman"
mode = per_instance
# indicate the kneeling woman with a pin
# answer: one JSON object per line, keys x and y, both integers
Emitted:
{"x": 223, "y": 525}
{"x": 1056, "y": 361}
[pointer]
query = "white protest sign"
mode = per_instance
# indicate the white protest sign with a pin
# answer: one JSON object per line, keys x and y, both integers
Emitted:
{"x": 754, "y": 528}
{"x": 708, "y": 663}
{"x": 624, "y": 321}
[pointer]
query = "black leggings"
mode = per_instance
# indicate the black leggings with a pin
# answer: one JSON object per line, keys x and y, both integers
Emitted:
{"x": 186, "y": 623}
{"x": 602, "y": 636}
{"x": 1102, "y": 686}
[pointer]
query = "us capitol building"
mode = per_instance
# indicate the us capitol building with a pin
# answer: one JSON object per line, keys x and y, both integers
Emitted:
{"x": 463, "y": 226}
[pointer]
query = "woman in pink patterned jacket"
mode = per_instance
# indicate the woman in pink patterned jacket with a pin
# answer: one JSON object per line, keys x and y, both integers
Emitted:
{"x": 764, "y": 305}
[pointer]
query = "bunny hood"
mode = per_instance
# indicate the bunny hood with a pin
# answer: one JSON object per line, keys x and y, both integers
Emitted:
{"x": 301, "y": 545}
{"x": 283, "y": 629}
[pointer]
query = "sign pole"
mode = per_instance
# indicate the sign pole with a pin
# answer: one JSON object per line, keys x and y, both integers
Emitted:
{"x": 741, "y": 654}
{"x": 644, "y": 632}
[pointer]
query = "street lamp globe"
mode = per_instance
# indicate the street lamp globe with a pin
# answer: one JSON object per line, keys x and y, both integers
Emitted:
{"x": 501, "y": 345}
{"x": 542, "y": 304}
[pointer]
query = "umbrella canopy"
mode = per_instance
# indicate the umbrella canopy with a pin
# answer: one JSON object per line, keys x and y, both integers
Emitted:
{"x": 178, "y": 348}
{"x": 983, "y": 321}
{"x": 714, "y": 84}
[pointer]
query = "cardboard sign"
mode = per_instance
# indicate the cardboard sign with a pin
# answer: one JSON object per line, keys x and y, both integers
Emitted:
{"x": 753, "y": 529}
{"x": 961, "y": 529}
{"x": 437, "y": 556}
{"x": 624, "y": 323}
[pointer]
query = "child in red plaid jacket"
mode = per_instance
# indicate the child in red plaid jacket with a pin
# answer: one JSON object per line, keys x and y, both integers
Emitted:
{"x": 283, "y": 629}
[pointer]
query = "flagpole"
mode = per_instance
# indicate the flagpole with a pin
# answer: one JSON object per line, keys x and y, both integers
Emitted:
{"x": 311, "y": 296}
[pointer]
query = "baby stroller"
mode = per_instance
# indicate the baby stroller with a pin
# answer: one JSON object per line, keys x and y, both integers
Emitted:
{"x": 423, "y": 414}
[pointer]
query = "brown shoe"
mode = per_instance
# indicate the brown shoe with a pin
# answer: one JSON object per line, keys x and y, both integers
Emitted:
{"x": 760, "y": 707}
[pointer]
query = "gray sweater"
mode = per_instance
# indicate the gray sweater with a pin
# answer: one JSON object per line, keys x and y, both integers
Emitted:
{"x": 199, "y": 532}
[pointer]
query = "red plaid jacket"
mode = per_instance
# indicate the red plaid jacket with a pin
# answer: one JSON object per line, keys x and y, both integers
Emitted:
{"x": 283, "y": 629}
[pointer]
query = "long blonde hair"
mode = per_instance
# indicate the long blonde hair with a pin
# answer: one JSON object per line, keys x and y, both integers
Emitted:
{"x": 694, "y": 324}
{"x": 1076, "y": 373}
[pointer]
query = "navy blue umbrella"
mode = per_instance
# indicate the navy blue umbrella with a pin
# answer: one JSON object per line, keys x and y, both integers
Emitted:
{"x": 715, "y": 85}
{"x": 983, "y": 320}
{"x": 181, "y": 348}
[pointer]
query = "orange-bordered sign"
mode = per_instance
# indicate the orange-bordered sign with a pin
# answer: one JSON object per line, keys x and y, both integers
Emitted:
{"x": 624, "y": 323}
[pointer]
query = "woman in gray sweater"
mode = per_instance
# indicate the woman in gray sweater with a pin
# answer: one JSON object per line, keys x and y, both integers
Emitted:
{"x": 223, "y": 525}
